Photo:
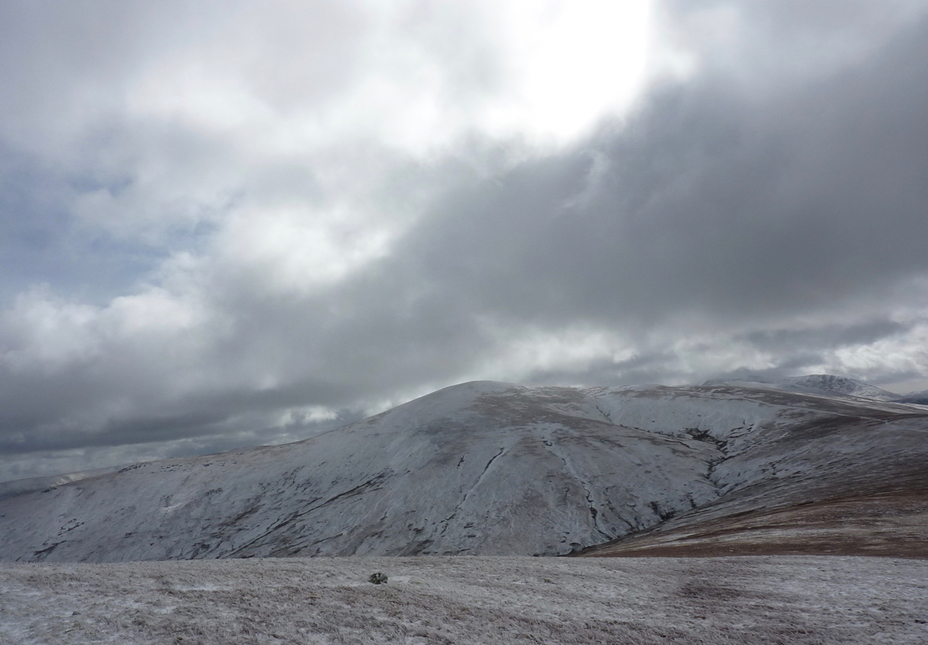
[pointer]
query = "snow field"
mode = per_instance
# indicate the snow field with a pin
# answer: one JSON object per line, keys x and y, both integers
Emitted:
{"x": 473, "y": 600}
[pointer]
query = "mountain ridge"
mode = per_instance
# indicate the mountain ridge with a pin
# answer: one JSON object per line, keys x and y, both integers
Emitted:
{"x": 483, "y": 468}
{"x": 826, "y": 384}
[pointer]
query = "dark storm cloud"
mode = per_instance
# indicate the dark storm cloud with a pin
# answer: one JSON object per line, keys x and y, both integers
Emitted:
{"x": 214, "y": 430}
{"x": 706, "y": 206}
{"x": 706, "y": 202}
{"x": 117, "y": 433}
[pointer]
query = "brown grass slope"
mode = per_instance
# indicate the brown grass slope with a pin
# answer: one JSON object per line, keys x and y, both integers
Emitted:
{"x": 872, "y": 502}
{"x": 893, "y": 523}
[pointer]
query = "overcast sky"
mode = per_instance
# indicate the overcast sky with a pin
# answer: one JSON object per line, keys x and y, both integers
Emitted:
{"x": 234, "y": 222}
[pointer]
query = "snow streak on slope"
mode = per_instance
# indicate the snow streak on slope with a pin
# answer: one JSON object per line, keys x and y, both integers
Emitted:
{"x": 480, "y": 468}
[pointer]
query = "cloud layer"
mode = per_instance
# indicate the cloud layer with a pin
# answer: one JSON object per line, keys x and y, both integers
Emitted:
{"x": 249, "y": 222}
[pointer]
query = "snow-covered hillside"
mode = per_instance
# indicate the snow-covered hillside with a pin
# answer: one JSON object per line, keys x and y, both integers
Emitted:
{"x": 822, "y": 384}
{"x": 836, "y": 385}
{"x": 479, "y": 468}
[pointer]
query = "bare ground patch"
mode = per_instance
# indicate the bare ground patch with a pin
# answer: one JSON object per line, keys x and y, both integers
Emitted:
{"x": 892, "y": 524}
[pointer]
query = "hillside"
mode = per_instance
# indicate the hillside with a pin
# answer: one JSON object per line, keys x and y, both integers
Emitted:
{"x": 490, "y": 469}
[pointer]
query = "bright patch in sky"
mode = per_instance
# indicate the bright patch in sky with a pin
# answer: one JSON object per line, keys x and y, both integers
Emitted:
{"x": 543, "y": 70}
{"x": 572, "y": 63}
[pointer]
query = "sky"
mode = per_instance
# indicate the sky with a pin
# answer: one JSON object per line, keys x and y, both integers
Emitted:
{"x": 241, "y": 222}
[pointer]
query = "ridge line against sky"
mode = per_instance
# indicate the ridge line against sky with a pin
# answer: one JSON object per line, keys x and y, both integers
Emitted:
{"x": 231, "y": 223}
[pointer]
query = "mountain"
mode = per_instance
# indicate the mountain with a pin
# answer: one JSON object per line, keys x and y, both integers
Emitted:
{"x": 32, "y": 484}
{"x": 921, "y": 398}
{"x": 830, "y": 384}
{"x": 487, "y": 468}
{"x": 822, "y": 384}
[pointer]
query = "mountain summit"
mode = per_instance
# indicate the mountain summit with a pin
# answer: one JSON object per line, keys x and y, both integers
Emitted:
{"x": 826, "y": 384}
{"x": 836, "y": 385}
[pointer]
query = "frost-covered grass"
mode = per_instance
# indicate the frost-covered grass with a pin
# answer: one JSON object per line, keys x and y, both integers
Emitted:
{"x": 469, "y": 600}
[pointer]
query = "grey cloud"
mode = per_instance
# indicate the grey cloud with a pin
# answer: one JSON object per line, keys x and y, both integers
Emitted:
{"x": 54, "y": 454}
{"x": 642, "y": 369}
{"x": 199, "y": 430}
{"x": 76, "y": 121}
{"x": 773, "y": 42}
{"x": 116, "y": 433}
{"x": 825, "y": 337}
{"x": 709, "y": 211}
{"x": 41, "y": 243}
{"x": 710, "y": 204}
{"x": 705, "y": 204}
{"x": 65, "y": 59}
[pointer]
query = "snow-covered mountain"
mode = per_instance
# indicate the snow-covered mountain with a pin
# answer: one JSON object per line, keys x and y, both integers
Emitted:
{"x": 836, "y": 385}
{"x": 823, "y": 384}
{"x": 920, "y": 398}
{"x": 481, "y": 468}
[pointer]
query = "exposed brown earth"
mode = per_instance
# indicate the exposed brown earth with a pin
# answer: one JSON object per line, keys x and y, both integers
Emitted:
{"x": 893, "y": 523}
{"x": 869, "y": 502}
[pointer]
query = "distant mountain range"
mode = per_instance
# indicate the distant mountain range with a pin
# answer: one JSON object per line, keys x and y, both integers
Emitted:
{"x": 825, "y": 384}
{"x": 920, "y": 398}
{"x": 812, "y": 464}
